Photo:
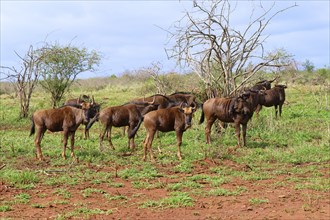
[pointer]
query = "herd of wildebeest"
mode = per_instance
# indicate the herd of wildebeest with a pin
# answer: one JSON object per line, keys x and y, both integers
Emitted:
{"x": 158, "y": 113}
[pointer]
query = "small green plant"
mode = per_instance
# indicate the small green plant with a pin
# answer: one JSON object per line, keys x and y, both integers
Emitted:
{"x": 5, "y": 208}
{"x": 175, "y": 200}
{"x": 89, "y": 191}
{"x": 257, "y": 201}
{"x": 63, "y": 193}
{"x": 23, "y": 198}
{"x": 115, "y": 197}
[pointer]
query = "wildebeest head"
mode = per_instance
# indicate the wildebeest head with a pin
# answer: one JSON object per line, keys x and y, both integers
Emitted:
{"x": 240, "y": 105}
{"x": 87, "y": 108}
{"x": 188, "y": 112}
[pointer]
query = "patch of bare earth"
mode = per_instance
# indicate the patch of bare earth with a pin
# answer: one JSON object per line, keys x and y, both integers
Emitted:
{"x": 283, "y": 200}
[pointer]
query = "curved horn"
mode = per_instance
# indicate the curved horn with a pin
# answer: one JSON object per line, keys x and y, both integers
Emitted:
{"x": 93, "y": 101}
{"x": 153, "y": 101}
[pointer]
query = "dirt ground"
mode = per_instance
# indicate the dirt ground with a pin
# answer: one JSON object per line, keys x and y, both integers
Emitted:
{"x": 283, "y": 201}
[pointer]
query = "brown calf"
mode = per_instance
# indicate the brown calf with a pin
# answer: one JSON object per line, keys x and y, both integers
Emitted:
{"x": 66, "y": 119}
{"x": 176, "y": 119}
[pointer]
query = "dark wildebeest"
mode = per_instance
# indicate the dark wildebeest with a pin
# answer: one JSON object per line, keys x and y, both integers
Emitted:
{"x": 176, "y": 119}
{"x": 130, "y": 114}
{"x": 66, "y": 119}
{"x": 236, "y": 110}
{"x": 273, "y": 97}
{"x": 185, "y": 97}
{"x": 76, "y": 102}
{"x": 264, "y": 84}
{"x": 161, "y": 100}
{"x": 94, "y": 108}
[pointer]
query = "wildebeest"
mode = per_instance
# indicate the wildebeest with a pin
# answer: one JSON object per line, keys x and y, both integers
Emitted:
{"x": 161, "y": 100}
{"x": 185, "y": 97}
{"x": 176, "y": 119}
{"x": 77, "y": 101}
{"x": 264, "y": 84}
{"x": 130, "y": 114}
{"x": 94, "y": 108}
{"x": 66, "y": 119}
{"x": 273, "y": 97}
{"x": 237, "y": 110}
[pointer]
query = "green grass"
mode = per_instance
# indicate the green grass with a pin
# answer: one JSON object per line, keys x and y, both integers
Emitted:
{"x": 294, "y": 147}
{"x": 175, "y": 200}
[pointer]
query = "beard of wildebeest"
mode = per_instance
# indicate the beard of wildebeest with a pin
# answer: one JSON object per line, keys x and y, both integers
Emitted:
{"x": 66, "y": 119}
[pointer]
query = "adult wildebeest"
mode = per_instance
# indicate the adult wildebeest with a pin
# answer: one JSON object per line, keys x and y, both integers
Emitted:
{"x": 94, "y": 108}
{"x": 236, "y": 110}
{"x": 185, "y": 97}
{"x": 161, "y": 100}
{"x": 273, "y": 97}
{"x": 130, "y": 114}
{"x": 176, "y": 119}
{"x": 76, "y": 102}
{"x": 66, "y": 119}
{"x": 264, "y": 84}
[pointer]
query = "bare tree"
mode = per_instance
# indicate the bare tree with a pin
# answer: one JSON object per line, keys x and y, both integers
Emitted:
{"x": 224, "y": 58}
{"x": 24, "y": 79}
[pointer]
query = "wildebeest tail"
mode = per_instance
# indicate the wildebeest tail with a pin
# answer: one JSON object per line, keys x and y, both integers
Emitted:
{"x": 32, "y": 127}
{"x": 133, "y": 132}
{"x": 201, "y": 120}
{"x": 92, "y": 121}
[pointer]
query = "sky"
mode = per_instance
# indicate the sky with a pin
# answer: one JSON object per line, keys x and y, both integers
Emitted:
{"x": 131, "y": 35}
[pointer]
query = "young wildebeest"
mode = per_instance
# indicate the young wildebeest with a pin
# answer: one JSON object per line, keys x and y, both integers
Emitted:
{"x": 176, "y": 119}
{"x": 273, "y": 97}
{"x": 130, "y": 115}
{"x": 66, "y": 119}
{"x": 229, "y": 110}
{"x": 94, "y": 108}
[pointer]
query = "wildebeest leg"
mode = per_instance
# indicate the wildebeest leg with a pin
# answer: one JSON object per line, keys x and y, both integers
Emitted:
{"x": 150, "y": 138}
{"x": 131, "y": 143}
{"x": 102, "y": 137}
{"x": 37, "y": 142}
{"x": 244, "y": 127}
{"x": 72, "y": 145}
{"x": 276, "y": 111}
{"x": 208, "y": 127}
{"x": 258, "y": 109}
{"x": 145, "y": 145}
{"x": 86, "y": 133}
{"x": 179, "y": 142}
{"x": 65, "y": 142}
{"x": 159, "y": 142}
{"x": 238, "y": 133}
{"x": 109, "y": 136}
{"x": 280, "y": 107}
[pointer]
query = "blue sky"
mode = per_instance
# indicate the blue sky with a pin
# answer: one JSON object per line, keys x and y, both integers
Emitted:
{"x": 128, "y": 36}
